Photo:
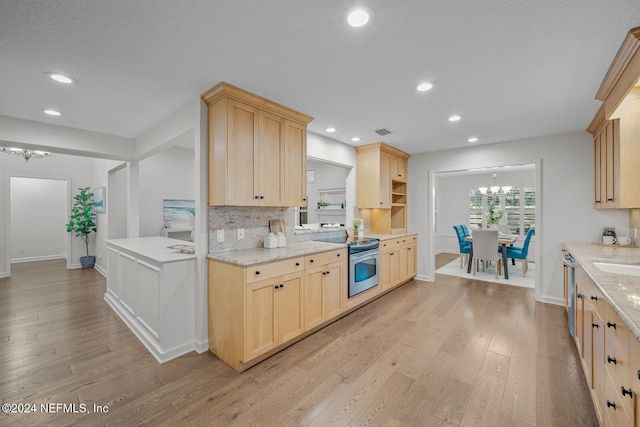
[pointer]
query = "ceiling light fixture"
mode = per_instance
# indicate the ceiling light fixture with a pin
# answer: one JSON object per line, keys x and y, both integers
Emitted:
{"x": 331, "y": 129}
{"x": 423, "y": 87}
{"x": 472, "y": 139}
{"x": 51, "y": 112}
{"x": 24, "y": 153}
{"x": 61, "y": 78}
{"x": 359, "y": 16}
{"x": 454, "y": 118}
{"x": 356, "y": 139}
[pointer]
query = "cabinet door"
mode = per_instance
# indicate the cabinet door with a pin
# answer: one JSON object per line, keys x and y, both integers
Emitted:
{"x": 611, "y": 196}
{"x": 294, "y": 159}
{"x": 412, "y": 259}
{"x": 241, "y": 135}
{"x": 385, "y": 270}
{"x": 634, "y": 365}
{"x": 579, "y": 303}
{"x": 385, "y": 181}
{"x": 403, "y": 263}
{"x": 394, "y": 268}
{"x": 398, "y": 169}
{"x": 598, "y": 362}
{"x": 597, "y": 170}
{"x": 313, "y": 310}
{"x": 332, "y": 290}
{"x": 261, "y": 322}
{"x": 269, "y": 160}
{"x": 289, "y": 307}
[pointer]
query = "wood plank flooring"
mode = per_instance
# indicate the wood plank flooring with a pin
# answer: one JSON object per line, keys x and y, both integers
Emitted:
{"x": 454, "y": 352}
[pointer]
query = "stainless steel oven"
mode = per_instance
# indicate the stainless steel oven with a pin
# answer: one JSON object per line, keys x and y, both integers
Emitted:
{"x": 364, "y": 265}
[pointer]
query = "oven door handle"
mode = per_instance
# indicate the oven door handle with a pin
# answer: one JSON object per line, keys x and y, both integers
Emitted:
{"x": 364, "y": 255}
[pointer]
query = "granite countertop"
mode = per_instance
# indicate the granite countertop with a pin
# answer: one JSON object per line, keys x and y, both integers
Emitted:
{"x": 154, "y": 248}
{"x": 622, "y": 292}
{"x": 247, "y": 257}
{"x": 388, "y": 236}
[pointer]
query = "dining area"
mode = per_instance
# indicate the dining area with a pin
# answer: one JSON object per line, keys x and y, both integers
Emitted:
{"x": 483, "y": 247}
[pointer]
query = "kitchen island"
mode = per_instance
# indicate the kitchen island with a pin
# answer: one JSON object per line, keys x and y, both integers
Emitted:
{"x": 151, "y": 286}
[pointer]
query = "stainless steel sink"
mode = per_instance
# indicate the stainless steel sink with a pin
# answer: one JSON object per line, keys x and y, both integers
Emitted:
{"x": 615, "y": 268}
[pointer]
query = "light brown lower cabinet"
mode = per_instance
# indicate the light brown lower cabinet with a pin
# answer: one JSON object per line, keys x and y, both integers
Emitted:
{"x": 255, "y": 311}
{"x": 608, "y": 352}
{"x": 398, "y": 260}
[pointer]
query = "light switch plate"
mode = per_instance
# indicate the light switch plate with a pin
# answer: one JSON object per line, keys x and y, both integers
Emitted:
{"x": 240, "y": 233}
{"x": 220, "y": 236}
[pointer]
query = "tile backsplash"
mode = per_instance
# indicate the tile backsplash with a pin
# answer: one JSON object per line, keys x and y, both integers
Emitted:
{"x": 255, "y": 221}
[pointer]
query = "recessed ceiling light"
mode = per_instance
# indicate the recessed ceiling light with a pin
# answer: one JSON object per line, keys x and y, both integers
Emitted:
{"x": 423, "y": 87}
{"x": 356, "y": 139}
{"x": 359, "y": 16}
{"x": 331, "y": 129}
{"x": 61, "y": 78}
{"x": 51, "y": 112}
{"x": 454, "y": 118}
{"x": 472, "y": 139}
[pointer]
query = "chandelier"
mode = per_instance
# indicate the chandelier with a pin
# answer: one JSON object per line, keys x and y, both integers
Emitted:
{"x": 495, "y": 188}
{"x": 24, "y": 153}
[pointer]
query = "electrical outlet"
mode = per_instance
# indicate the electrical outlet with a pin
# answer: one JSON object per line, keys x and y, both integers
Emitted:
{"x": 220, "y": 236}
{"x": 240, "y": 233}
{"x": 635, "y": 234}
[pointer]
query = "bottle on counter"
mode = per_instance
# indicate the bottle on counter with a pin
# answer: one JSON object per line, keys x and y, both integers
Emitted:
{"x": 282, "y": 239}
{"x": 270, "y": 241}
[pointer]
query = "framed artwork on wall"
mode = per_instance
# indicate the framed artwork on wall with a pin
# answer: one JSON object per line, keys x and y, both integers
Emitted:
{"x": 99, "y": 200}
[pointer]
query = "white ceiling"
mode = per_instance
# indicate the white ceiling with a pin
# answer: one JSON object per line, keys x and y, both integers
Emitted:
{"x": 511, "y": 69}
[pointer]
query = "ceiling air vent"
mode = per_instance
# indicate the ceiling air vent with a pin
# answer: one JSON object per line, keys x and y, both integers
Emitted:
{"x": 383, "y": 132}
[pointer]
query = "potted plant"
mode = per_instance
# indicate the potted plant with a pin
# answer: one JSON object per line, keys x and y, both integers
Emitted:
{"x": 83, "y": 221}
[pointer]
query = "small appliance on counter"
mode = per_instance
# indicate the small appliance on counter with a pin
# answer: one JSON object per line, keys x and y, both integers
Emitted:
{"x": 609, "y": 236}
{"x": 270, "y": 241}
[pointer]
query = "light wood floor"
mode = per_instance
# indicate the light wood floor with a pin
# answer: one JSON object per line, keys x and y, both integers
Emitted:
{"x": 453, "y": 352}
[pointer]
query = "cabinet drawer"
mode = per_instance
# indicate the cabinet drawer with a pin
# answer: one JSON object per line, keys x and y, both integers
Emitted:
{"x": 406, "y": 240}
{"x": 273, "y": 269}
{"x": 323, "y": 258}
{"x": 615, "y": 406}
{"x": 616, "y": 336}
{"x": 390, "y": 244}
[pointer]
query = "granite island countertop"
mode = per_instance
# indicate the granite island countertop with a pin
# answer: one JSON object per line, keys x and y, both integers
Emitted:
{"x": 248, "y": 257}
{"x": 622, "y": 292}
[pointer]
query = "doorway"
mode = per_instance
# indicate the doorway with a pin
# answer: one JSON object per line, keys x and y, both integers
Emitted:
{"x": 38, "y": 212}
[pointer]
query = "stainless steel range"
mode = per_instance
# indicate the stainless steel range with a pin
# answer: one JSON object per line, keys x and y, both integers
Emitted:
{"x": 364, "y": 265}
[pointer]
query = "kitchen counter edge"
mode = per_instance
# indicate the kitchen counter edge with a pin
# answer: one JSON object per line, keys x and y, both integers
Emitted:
{"x": 255, "y": 256}
{"x": 622, "y": 292}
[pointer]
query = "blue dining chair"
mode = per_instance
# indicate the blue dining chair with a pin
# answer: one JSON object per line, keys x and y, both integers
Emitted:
{"x": 515, "y": 252}
{"x": 465, "y": 230}
{"x": 465, "y": 247}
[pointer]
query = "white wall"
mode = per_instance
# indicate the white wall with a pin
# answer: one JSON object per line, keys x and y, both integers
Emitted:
{"x": 168, "y": 174}
{"x": 81, "y": 171}
{"x": 327, "y": 176}
{"x": 565, "y": 196}
{"x": 39, "y": 213}
{"x": 332, "y": 151}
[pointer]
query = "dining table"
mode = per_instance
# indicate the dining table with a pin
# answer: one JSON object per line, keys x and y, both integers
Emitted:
{"x": 503, "y": 241}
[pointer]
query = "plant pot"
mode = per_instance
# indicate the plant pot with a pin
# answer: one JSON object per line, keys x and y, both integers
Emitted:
{"x": 87, "y": 261}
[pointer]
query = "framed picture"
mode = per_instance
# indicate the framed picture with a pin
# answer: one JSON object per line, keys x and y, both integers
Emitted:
{"x": 178, "y": 209}
{"x": 99, "y": 200}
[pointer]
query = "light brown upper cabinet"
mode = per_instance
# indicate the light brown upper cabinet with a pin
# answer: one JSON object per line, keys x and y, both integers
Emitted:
{"x": 381, "y": 185}
{"x": 616, "y": 130}
{"x": 257, "y": 150}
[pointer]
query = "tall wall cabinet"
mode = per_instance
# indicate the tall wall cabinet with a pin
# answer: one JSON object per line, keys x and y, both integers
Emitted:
{"x": 257, "y": 150}
{"x": 616, "y": 130}
{"x": 381, "y": 181}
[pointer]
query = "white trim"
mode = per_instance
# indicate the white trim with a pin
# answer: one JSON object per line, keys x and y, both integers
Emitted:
{"x": 38, "y": 258}
{"x": 431, "y": 217}
{"x": 551, "y": 300}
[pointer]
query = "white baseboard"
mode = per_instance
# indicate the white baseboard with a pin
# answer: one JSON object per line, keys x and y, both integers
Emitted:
{"x": 38, "y": 258}
{"x": 202, "y": 346}
{"x": 552, "y": 300}
{"x": 101, "y": 270}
